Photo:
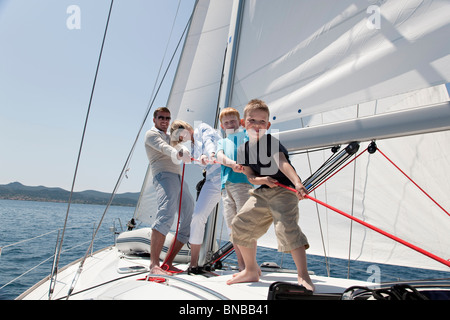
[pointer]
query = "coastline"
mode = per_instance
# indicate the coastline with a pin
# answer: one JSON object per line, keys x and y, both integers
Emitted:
{"x": 18, "y": 191}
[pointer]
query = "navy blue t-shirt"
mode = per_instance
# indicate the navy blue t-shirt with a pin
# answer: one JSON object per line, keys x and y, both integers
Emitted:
{"x": 259, "y": 157}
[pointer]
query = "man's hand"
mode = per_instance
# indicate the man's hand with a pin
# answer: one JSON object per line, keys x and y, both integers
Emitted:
{"x": 204, "y": 159}
{"x": 184, "y": 155}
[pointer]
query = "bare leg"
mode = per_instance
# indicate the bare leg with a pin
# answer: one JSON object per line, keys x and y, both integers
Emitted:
{"x": 177, "y": 247}
{"x": 251, "y": 271}
{"x": 241, "y": 262}
{"x": 195, "y": 252}
{"x": 299, "y": 257}
{"x": 157, "y": 242}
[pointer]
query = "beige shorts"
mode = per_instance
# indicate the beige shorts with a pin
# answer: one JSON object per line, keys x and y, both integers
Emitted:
{"x": 267, "y": 205}
{"x": 234, "y": 196}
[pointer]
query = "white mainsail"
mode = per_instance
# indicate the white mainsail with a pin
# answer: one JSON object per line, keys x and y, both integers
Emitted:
{"x": 304, "y": 57}
{"x": 330, "y": 62}
{"x": 327, "y": 62}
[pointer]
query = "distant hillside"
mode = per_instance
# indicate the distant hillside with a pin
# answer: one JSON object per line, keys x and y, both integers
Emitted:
{"x": 17, "y": 191}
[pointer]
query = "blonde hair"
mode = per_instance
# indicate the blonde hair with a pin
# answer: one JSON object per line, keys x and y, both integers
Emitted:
{"x": 256, "y": 104}
{"x": 229, "y": 112}
{"x": 176, "y": 128}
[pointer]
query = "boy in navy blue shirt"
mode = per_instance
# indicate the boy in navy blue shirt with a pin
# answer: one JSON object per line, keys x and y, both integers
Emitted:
{"x": 266, "y": 162}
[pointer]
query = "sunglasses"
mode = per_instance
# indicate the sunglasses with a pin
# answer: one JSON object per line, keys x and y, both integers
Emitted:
{"x": 164, "y": 118}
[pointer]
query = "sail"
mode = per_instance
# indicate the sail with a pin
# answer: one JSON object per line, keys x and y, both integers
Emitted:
{"x": 373, "y": 190}
{"x": 323, "y": 63}
{"x": 195, "y": 90}
{"x": 303, "y": 58}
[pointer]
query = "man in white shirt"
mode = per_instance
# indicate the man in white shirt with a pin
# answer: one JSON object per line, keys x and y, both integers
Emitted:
{"x": 166, "y": 173}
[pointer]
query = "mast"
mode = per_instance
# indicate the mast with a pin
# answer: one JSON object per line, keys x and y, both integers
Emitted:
{"x": 224, "y": 99}
{"x": 234, "y": 37}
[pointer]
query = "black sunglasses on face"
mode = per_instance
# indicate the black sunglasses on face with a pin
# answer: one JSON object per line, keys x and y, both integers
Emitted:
{"x": 164, "y": 118}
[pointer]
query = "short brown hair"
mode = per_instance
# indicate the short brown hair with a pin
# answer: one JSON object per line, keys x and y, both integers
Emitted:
{"x": 229, "y": 112}
{"x": 162, "y": 109}
{"x": 256, "y": 104}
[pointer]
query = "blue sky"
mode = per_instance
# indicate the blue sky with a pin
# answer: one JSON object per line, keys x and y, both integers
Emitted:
{"x": 46, "y": 76}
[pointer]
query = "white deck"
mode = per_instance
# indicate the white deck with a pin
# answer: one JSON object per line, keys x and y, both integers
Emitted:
{"x": 107, "y": 275}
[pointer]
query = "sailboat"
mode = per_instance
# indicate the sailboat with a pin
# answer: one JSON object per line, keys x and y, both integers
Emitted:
{"x": 357, "y": 93}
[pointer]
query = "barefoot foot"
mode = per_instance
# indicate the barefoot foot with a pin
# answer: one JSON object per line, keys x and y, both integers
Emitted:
{"x": 259, "y": 272}
{"x": 244, "y": 276}
{"x": 159, "y": 270}
{"x": 171, "y": 268}
{"x": 307, "y": 283}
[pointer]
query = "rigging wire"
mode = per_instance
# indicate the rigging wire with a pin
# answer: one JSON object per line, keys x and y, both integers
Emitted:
{"x": 352, "y": 211}
{"x": 129, "y": 155}
{"x": 45, "y": 260}
{"x": 25, "y": 240}
{"x": 178, "y": 223}
{"x": 58, "y": 253}
{"x": 423, "y": 191}
{"x": 327, "y": 265}
{"x": 351, "y": 222}
{"x": 162, "y": 61}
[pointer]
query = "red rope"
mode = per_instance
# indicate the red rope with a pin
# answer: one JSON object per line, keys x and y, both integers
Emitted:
{"x": 208, "y": 161}
{"x": 420, "y": 250}
{"x": 413, "y": 182}
{"x": 153, "y": 279}
{"x": 178, "y": 223}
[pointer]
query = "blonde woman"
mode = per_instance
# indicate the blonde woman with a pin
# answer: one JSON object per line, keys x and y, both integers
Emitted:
{"x": 201, "y": 142}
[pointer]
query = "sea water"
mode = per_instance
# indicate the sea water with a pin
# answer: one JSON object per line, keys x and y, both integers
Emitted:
{"x": 22, "y": 264}
{"x": 23, "y": 220}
